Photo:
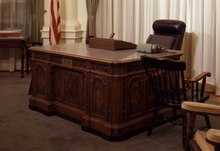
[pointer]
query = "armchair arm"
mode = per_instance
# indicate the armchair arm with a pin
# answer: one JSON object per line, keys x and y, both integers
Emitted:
{"x": 199, "y": 77}
{"x": 201, "y": 107}
{"x": 195, "y": 82}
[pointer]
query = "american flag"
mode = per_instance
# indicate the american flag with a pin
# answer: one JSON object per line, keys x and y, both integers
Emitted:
{"x": 54, "y": 29}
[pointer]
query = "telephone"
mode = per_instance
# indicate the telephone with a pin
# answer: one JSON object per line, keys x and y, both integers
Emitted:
{"x": 151, "y": 48}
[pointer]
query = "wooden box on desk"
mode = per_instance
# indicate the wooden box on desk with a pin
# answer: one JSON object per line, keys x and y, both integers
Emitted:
{"x": 110, "y": 44}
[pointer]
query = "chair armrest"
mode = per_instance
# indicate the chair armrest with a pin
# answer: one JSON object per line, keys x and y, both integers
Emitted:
{"x": 213, "y": 136}
{"x": 197, "y": 88}
{"x": 201, "y": 107}
{"x": 199, "y": 77}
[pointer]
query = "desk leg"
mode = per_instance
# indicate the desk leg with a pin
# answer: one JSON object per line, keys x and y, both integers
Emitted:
{"x": 12, "y": 66}
{"x": 22, "y": 62}
{"x": 27, "y": 61}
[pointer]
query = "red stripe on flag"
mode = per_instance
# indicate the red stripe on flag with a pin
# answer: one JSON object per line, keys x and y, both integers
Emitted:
{"x": 54, "y": 30}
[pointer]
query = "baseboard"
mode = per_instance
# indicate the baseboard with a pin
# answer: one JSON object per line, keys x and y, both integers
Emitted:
{"x": 210, "y": 88}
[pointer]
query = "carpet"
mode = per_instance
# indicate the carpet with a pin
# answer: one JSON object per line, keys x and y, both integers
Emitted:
{"x": 22, "y": 129}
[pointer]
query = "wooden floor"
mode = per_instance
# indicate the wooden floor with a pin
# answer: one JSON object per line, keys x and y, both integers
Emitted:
{"x": 213, "y": 97}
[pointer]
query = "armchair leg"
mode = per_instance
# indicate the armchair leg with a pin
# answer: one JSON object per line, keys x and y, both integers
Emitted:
{"x": 184, "y": 129}
{"x": 207, "y": 120}
{"x": 174, "y": 117}
{"x": 30, "y": 88}
{"x": 190, "y": 130}
{"x": 154, "y": 118}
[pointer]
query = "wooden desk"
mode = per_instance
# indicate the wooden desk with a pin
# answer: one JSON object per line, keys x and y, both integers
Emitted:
{"x": 15, "y": 42}
{"x": 105, "y": 91}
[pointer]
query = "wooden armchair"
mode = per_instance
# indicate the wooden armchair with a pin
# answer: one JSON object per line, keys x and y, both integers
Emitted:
{"x": 201, "y": 140}
{"x": 166, "y": 78}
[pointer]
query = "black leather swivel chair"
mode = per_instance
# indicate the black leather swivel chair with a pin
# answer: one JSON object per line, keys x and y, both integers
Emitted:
{"x": 168, "y": 33}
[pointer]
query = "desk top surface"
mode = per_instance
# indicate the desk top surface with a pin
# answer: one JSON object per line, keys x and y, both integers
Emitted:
{"x": 81, "y": 50}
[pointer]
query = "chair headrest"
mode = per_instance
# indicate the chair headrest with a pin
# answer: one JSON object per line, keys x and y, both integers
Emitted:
{"x": 169, "y": 26}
